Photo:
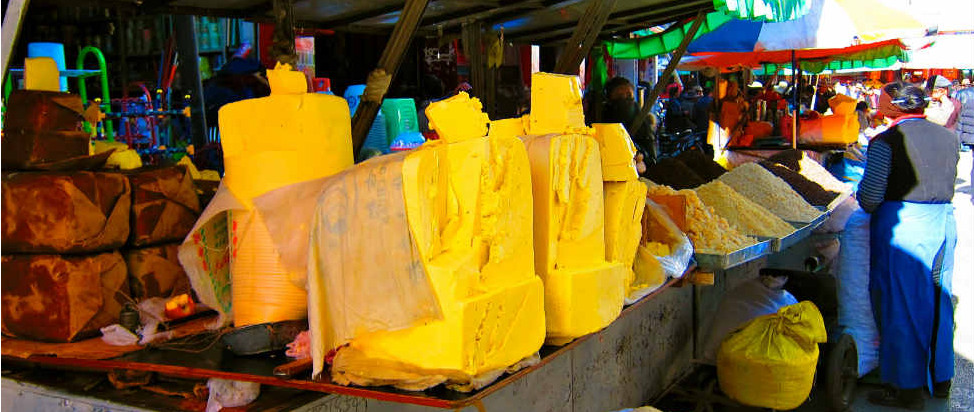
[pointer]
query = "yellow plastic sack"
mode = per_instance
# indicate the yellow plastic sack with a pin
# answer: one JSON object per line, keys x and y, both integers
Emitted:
{"x": 770, "y": 362}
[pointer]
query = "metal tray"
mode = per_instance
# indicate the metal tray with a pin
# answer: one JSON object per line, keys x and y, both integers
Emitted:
{"x": 718, "y": 262}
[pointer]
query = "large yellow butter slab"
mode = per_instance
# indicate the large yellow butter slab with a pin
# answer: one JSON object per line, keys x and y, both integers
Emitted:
{"x": 583, "y": 292}
{"x": 490, "y": 331}
{"x": 556, "y": 104}
{"x": 458, "y": 118}
{"x": 617, "y": 151}
{"x": 624, "y": 204}
{"x": 288, "y": 137}
{"x": 569, "y": 219}
{"x": 582, "y": 301}
{"x": 468, "y": 206}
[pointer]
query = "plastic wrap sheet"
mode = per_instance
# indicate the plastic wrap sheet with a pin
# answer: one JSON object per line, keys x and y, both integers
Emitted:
{"x": 62, "y": 298}
{"x": 77, "y": 212}
{"x": 651, "y": 270}
{"x": 365, "y": 272}
{"x": 205, "y": 255}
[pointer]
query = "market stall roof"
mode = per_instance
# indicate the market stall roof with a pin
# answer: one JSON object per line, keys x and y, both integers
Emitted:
{"x": 873, "y": 55}
{"x": 524, "y": 21}
{"x": 829, "y": 24}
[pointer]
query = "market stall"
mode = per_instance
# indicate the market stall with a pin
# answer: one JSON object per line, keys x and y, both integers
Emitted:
{"x": 511, "y": 262}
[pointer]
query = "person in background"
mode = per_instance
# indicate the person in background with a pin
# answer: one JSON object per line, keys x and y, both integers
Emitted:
{"x": 907, "y": 188}
{"x": 943, "y": 109}
{"x": 702, "y": 110}
{"x": 620, "y": 107}
{"x": 679, "y": 110}
{"x": 965, "y": 120}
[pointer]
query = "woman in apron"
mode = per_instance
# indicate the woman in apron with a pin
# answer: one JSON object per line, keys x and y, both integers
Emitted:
{"x": 907, "y": 187}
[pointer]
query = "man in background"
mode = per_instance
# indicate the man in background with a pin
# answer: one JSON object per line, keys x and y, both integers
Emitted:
{"x": 943, "y": 109}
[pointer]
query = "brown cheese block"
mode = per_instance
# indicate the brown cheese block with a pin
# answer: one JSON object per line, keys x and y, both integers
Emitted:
{"x": 62, "y": 298}
{"x": 37, "y": 149}
{"x": 77, "y": 212}
{"x": 42, "y": 111}
{"x": 164, "y": 205}
{"x": 156, "y": 272}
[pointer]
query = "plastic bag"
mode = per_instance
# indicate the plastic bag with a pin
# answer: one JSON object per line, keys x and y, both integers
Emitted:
{"x": 770, "y": 362}
{"x": 230, "y": 394}
{"x": 855, "y": 307}
{"x": 651, "y": 270}
{"x": 754, "y": 298}
{"x": 117, "y": 335}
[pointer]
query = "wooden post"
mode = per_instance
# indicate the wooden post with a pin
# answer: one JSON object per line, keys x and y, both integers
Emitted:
{"x": 391, "y": 59}
{"x": 12, "y": 17}
{"x": 282, "y": 49}
{"x": 589, "y": 26}
{"x": 670, "y": 68}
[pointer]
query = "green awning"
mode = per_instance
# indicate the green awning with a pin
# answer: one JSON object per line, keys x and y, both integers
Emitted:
{"x": 763, "y": 10}
{"x": 877, "y": 58}
{"x": 664, "y": 42}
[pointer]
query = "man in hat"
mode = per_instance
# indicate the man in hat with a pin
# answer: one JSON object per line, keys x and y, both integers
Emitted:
{"x": 943, "y": 109}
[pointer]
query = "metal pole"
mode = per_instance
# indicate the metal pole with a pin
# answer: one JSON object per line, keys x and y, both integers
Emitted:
{"x": 189, "y": 71}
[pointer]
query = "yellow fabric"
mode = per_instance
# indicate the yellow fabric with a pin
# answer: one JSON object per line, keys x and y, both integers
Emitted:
{"x": 770, "y": 362}
{"x": 468, "y": 207}
{"x": 556, "y": 104}
{"x": 41, "y": 73}
{"x": 617, "y": 151}
{"x": 569, "y": 236}
{"x": 288, "y": 137}
{"x": 458, "y": 118}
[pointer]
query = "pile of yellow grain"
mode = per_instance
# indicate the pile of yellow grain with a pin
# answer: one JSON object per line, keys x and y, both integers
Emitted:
{"x": 748, "y": 216}
{"x": 766, "y": 189}
{"x": 708, "y": 232}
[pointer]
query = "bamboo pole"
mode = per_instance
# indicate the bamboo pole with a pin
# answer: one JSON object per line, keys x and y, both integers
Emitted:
{"x": 582, "y": 40}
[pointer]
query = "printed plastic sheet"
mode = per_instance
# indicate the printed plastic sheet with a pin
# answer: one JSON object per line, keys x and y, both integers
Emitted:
{"x": 365, "y": 272}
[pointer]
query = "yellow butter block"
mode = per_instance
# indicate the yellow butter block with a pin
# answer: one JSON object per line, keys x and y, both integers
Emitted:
{"x": 41, "y": 73}
{"x": 285, "y": 138}
{"x": 617, "y": 151}
{"x": 458, "y": 118}
{"x": 624, "y": 205}
{"x": 581, "y": 301}
{"x": 288, "y": 137}
{"x": 506, "y": 128}
{"x": 468, "y": 206}
{"x": 556, "y": 104}
{"x": 569, "y": 236}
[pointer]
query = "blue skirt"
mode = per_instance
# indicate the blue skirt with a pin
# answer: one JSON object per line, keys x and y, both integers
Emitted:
{"x": 911, "y": 266}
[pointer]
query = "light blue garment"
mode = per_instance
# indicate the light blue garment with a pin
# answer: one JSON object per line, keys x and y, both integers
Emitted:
{"x": 911, "y": 267}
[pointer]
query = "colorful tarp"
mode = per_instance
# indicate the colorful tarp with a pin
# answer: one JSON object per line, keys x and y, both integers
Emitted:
{"x": 763, "y": 10}
{"x": 829, "y": 24}
{"x": 871, "y": 55}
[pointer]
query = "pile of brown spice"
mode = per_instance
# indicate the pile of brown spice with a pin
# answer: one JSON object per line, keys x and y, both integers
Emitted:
{"x": 701, "y": 164}
{"x": 812, "y": 192}
{"x": 674, "y": 173}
